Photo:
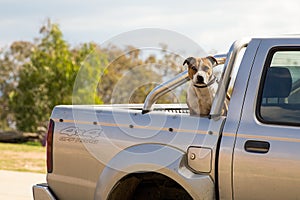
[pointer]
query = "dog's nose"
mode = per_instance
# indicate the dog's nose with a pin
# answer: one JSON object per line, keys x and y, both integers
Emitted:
{"x": 200, "y": 79}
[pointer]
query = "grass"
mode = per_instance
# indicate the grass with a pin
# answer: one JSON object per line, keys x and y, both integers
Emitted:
{"x": 27, "y": 157}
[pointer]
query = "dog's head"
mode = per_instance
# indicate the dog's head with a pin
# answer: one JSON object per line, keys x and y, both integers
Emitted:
{"x": 200, "y": 70}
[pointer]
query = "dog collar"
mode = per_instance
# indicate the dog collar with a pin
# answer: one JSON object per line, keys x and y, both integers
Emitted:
{"x": 212, "y": 81}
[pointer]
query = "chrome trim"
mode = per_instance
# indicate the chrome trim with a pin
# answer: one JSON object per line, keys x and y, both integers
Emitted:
{"x": 164, "y": 88}
{"x": 218, "y": 103}
{"x": 42, "y": 192}
{"x": 221, "y": 58}
{"x": 172, "y": 84}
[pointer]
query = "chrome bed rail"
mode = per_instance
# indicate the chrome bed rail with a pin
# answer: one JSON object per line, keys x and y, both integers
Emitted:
{"x": 172, "y": 84}
{"x": 227, "y": 59}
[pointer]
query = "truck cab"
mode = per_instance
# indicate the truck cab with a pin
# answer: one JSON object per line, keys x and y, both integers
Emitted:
{"x": 265, "y": 142}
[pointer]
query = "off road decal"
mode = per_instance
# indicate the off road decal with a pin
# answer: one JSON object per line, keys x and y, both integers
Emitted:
{"x": 76, "y": 135}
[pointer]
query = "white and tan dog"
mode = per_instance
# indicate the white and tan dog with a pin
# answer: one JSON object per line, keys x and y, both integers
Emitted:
{"x": 203, "y": 85}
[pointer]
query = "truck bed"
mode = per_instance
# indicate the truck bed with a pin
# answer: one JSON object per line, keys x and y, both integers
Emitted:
{"x": 86, "y": 133}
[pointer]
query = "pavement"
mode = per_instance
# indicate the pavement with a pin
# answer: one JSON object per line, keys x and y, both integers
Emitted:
{"x": 18, "y": 185}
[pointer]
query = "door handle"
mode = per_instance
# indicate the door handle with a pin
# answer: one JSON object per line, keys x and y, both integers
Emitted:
{"x": 254, "y": 146}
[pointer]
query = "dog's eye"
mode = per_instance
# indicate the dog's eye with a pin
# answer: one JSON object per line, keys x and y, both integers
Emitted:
{"x": 205, "y": 68}
{"x": 194, "y": 68}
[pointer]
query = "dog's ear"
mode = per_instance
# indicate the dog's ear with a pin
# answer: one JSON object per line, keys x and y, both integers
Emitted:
{"x": 190, "y": 61}
{"x": 213, "y": 61}
{"x": 185, "y": 62}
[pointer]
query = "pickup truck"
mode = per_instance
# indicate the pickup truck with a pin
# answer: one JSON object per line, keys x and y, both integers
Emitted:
{"x": 153, "y": 151}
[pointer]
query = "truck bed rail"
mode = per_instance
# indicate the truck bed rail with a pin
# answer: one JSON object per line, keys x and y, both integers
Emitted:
{"x": 172, "y": 84}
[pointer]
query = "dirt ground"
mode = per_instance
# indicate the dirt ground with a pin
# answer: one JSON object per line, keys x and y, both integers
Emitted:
{"x": 22, "y": 158}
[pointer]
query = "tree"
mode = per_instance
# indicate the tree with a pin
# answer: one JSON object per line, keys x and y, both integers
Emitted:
{"x": 50, "y": 72}
{"x": 12, "y": 60}
{"x": 92, "y": 66}
{"x": 47, "y": 80}
{"x": 128, "y": 78}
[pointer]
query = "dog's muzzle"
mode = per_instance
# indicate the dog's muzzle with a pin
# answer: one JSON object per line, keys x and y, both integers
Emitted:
{"x": 200, "y": 80}
{"x": 203, "y": 85}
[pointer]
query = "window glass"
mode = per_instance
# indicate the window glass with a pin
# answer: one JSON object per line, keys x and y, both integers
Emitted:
{"x": 280, "y": 95}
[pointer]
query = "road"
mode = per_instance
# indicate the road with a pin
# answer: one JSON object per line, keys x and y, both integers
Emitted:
{"x": 18, "y": 185}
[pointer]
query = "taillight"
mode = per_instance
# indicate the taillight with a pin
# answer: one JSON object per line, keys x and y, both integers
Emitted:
{"x": 50, "y": 146}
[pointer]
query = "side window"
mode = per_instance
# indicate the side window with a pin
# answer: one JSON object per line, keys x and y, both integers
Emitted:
{"x": 279, "y": 97}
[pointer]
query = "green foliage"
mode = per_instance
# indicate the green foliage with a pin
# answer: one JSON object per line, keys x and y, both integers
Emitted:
{"x": 11, "y": 62}
{"x": 34, "y": 77}
{"x": 36, "y": 144}
{"x": 85, "y": 86}
{"x": 47, "y": 80}
{"x": 129, "y": 79}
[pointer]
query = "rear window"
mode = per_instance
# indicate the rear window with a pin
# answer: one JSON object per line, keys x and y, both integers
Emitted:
{"x": 279, "y": 97}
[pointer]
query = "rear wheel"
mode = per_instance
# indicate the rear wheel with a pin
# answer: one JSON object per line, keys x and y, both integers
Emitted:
{"x": 150, "y": 186}
{"x": 147, "y": 191}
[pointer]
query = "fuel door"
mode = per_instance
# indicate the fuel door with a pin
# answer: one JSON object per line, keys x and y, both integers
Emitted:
{"x": 200, "y": 159}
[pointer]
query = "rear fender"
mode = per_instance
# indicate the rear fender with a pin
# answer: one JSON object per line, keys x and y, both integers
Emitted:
{"x": 166, "y": 160}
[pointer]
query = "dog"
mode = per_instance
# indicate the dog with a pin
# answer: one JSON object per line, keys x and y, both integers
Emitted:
{"x": 203, "y": 85}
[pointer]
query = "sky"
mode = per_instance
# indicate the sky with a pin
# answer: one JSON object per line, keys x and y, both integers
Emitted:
{"x": 213, "y": 24}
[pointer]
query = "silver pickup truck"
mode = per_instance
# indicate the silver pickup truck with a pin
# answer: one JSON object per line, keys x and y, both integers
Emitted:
{"x": 154, "y": 151}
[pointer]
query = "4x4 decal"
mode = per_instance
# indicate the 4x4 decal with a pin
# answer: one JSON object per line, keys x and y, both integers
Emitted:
{"x": 75, "y": 131}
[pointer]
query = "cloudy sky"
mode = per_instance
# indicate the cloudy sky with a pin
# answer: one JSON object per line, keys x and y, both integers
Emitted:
{"x": 212, "y": 24}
